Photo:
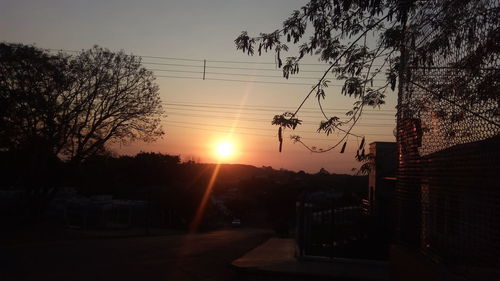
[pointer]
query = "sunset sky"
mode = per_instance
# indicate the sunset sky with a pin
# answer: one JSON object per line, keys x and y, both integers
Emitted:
{"x": 174, "y": 37}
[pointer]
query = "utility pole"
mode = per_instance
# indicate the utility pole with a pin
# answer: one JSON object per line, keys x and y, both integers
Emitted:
{"x": 204, "y": 67}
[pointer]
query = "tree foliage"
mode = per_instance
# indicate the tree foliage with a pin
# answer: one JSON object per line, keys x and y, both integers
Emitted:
{"x": 75, "y": 105}
{"x": 363, "y": 40}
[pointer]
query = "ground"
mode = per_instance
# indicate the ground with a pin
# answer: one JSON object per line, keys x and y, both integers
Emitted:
{"x": 205, "y": 256}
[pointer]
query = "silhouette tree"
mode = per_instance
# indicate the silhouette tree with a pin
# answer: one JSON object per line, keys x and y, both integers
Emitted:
{"x": 30, "y": 82}
{"x": 57, "y": 107}
{"x": 363, "y": 41}
{"x": 323, "y": 171}
{"x": 76, "y": 104}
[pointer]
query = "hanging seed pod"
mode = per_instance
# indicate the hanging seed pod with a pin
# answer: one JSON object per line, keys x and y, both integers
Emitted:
{"x": 343, "y": 147}
{"x": 280, "y": 138}
{"x": 362, "y": 143}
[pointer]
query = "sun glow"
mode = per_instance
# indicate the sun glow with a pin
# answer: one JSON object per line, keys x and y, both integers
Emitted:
{"x": 224, "y": 149}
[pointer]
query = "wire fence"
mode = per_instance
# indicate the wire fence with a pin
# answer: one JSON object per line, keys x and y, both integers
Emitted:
{"x": 328, "y": 227}
{"x": 448, "y": 123}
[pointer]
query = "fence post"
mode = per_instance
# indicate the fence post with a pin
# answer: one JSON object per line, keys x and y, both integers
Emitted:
{"x": 332, "y": 227}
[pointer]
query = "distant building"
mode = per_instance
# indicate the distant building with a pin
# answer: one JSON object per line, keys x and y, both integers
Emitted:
{"x": 381, "y": 180}
{"x": 101, "y": 211}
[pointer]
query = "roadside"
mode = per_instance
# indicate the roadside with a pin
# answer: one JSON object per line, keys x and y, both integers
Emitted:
{"x": 275, "y": 259}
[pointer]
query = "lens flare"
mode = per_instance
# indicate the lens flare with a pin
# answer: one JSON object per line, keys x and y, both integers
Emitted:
{"x": 201, "y": 208}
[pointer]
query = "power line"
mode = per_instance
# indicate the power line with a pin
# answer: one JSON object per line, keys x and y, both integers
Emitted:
{"x": 196, "y": 60}
{"x": 240, "y": 133}
{"x": 225, "y": 67}
{"x": 244, "y": 74}
{"x": 221, "y": 131}
{"x": 264, "y": 114}
{"x": 228, "y": 67}
{"x": 236, "y": 80}
{"x": 255, "y": 62}
{"x": 248, "y": 128}
{"x": 244, "y": 81}
{"x": 251, "y": 134}
{"x": 267, "y": 120}
{"x": 273, "y": 108}
{"x": 220, "y": 126}
{"x": 170, "y": 58}
{"x": 456, "y": 104}
{"x": 172, "y": 64}
{"x": 319, "y": 116}
{"x": 221, "y": 67}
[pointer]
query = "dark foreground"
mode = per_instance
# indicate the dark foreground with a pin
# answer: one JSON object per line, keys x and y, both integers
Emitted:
{"x": 205, "y": 256}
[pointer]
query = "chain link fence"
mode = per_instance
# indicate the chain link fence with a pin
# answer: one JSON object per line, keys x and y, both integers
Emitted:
{"x": 448, "y": 191}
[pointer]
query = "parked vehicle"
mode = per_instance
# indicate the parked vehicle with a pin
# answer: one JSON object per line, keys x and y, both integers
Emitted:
{"x": 236, "y": 223}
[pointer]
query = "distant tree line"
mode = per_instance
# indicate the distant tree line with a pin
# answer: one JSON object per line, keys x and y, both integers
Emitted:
{"x": 258, "y": 196}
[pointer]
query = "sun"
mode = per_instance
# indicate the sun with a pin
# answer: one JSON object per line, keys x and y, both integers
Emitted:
{"x": 224, "y": 149}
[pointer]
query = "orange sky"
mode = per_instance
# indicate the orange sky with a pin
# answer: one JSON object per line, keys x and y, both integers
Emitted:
{"x": 201, "y": 113}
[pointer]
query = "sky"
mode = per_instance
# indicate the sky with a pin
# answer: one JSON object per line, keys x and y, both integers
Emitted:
{"x": 202, "y": 113}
